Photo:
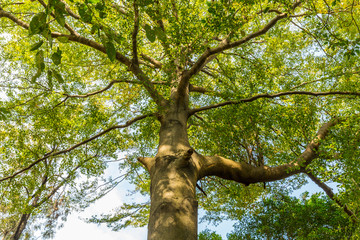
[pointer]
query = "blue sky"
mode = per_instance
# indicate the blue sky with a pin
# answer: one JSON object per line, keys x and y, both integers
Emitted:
{"x": 75, "y": 228}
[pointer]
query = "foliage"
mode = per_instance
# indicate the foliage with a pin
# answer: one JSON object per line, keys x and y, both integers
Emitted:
{"x": 74, "y": 74}
{"x": 284, "y": 217}
{"x": 209, "y": 235}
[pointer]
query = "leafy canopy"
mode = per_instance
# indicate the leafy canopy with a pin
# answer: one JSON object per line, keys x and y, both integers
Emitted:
{"x": 72, "y": 100}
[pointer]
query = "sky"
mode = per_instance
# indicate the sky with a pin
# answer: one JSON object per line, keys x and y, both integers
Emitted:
{"x": 75, "y": 228}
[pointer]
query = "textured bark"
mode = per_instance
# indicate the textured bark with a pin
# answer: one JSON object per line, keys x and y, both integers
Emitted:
{"x": 173, "y": 212}
{"x": 177, "y": 167}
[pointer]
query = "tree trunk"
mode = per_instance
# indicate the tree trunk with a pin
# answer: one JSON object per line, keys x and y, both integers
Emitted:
{"x": 173, "y": 212}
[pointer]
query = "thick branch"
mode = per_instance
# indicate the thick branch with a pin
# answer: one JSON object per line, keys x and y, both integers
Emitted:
{"x": 331, "y": 194}
{"x": 74, "y": 38}
{"x": 46, "y": 156}
{"x": 250, "y": 99}
{"x": 245, "y": 173}
{"x": 13, "y": 18}
{"x": 147, "y": 162}
{"x": 95, "y": 45}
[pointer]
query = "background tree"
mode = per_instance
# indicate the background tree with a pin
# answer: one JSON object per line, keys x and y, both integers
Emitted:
{"x": 181, "y": 87}
{"x": 284, "y": 217}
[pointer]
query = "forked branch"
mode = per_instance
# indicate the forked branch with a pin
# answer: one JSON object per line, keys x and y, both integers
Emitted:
{"x": 225, "y": 45}
{"x": 53, "y": 154}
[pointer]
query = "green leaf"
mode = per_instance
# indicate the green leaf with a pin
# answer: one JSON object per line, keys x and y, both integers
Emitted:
{"x": 36, "y": 46}
{"x": 110, "y": 51}
{"x": 144, "y": 3}
{"x": 266, "y": 9}
{"x": 46, "y": 33}
{"x": 58, "y": 76}
{"x": 36, "y": 76}
{"x": 3, "y": 113}
{"x": 100, "y": 6}
{"x": 60, "y": 6}
{"x": 92, "y": 1}
{"x": 211, "y": 10}
{"x": 334, "y": 2}
{"x": 102, "y": 14}
{"x": 49, "y": 78}
{"x": 160, "y": 34}
{"x": 59, "y": 17}
{"x": 84, "y": 12}
{"x": 39, "y": 60}
{"x": 37, "y": 23}
{"x": 94, "y": 28}
{"x": 56, "y": 57}
{"x": 150, "y": 33}
{"x": 119, "y": 39}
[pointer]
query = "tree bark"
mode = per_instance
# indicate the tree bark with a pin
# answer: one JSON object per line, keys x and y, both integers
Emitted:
{"x": 173, "y": 212}
{"x": 174, "y": 173}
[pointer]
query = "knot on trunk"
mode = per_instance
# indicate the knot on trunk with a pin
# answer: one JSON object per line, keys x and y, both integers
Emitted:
{"x": 185, "y": 158}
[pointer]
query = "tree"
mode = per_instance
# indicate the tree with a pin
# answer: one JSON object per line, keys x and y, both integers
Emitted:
{"x": 282, "y": 217}
{"x": 195, "y": 91}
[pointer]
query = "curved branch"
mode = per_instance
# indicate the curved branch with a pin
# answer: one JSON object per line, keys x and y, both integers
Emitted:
{"x": 95, "y": 45}
{"x": 224, "y": 45}
{"x": 101, "y": 90}
{"x": 331, "y": 194}
{"x": 74, "y": 38}
{"x": 13, "y": 18}
{"x": 266, "y": 95}
{"x": 245, "y": 173}
{"x": 53, "y": 154}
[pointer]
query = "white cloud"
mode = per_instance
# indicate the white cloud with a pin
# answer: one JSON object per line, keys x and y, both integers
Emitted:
{"x": 75, "y": 228}
{"x": 78, "y": 229}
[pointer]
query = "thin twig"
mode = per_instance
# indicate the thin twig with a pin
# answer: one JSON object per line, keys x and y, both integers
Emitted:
{"x": 266, "y": 95}
{"x": 128, "y": 123}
